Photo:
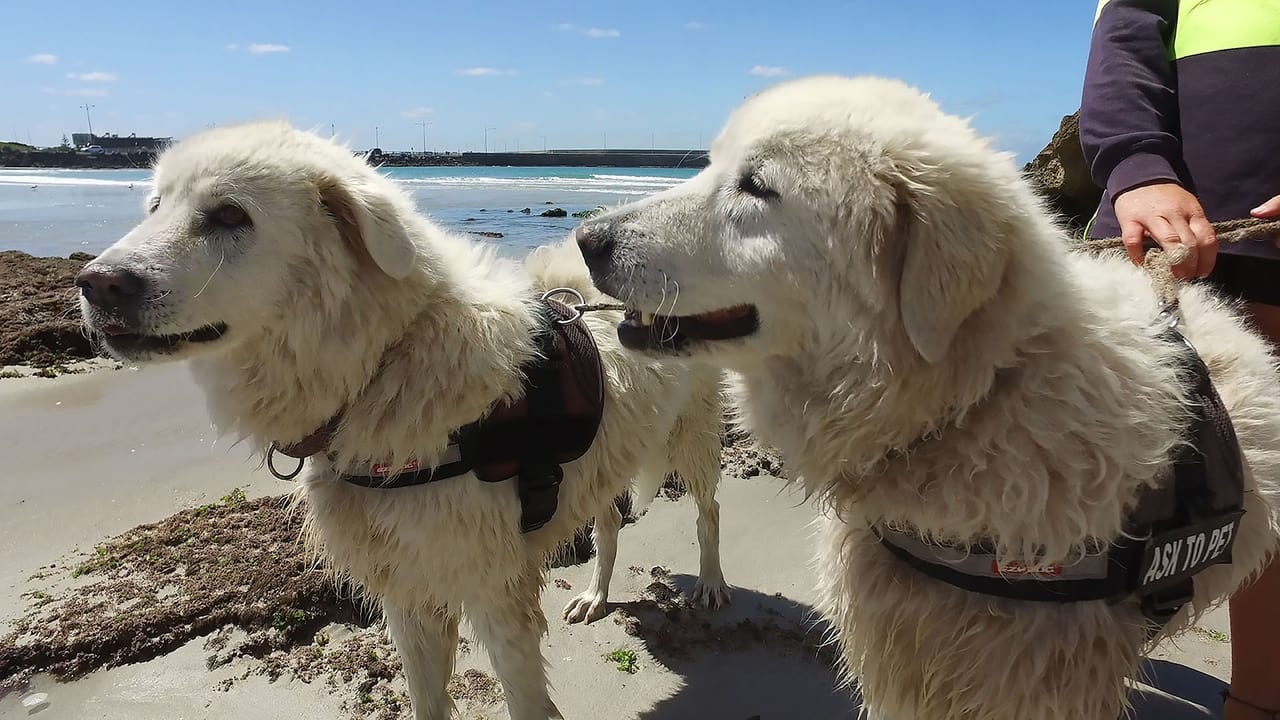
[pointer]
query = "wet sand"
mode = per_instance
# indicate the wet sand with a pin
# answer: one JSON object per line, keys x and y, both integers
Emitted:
{"x": 90, "y": 456}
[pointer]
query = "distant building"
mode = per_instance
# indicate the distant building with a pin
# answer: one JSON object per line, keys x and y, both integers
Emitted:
{"x": 116, "y": 145}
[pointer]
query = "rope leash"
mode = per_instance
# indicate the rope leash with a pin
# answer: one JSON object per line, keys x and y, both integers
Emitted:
{"x": 1159, "y": 263}
{"x": 580, "y": 307}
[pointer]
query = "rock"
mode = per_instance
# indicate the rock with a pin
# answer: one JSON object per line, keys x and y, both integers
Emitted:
{"x": 1060, "y": 174}
{"x": 589, "y": 213}
{"x": 555, "y": 212}
{"x": 511, "y": 211}
{"x": 483, "y": 210}
{"x": 526, "y": 211}
{"x": 470, "y": 220}
{"x": 548, "y": 203}
{"x": 486, "y": 233}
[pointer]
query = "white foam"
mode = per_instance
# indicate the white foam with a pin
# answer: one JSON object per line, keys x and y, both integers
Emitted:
{"x": 64, "y": 181}
{"x": 617, "y": 184}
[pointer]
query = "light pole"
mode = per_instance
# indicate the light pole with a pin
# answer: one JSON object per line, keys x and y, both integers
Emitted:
{"x": 424, "y": 124}
{"x": 486, "y": 138}
{"x": 88, "y": 119}
{"x": 544, "y": 142}
{"x": 375, "y": 136}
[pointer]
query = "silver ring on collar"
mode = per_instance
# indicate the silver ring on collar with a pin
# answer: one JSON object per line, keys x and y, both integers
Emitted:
{"x": 577, "y": 312}
{"x": 271, "y": 466}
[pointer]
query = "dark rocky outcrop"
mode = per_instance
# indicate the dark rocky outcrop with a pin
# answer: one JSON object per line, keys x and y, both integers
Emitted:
{"x": 555, "y": 212}
{"x": 1061, "y": 175}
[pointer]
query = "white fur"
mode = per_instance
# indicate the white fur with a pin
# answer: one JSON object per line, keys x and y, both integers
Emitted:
{"x": 341, "y": 297}
{"x": 909, "y": 285}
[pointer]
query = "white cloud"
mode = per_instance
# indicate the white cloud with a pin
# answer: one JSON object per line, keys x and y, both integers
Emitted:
{"x": 548, "y": 94}
{"x": 267, "y": 48}
{"x": 589, "y": 81}
{"x": 769, "y": 71}
{"x": 591, "y": 32}
{"x": 484, "y": 72}
{"x": 88, "y": 92}
{"x": 417, "y": 113}
{"x": 95, "y": 76}
{"x": 232, "y": 46}
{"x": 42, "y": 59}
{"x": 694, "y": 25}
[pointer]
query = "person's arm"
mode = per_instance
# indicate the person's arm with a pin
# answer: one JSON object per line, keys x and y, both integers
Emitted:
{"x": 1129, "y": 107}
{"x": 1128, "y": 131}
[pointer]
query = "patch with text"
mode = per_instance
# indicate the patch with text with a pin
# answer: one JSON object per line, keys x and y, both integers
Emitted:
{"x": 1179, "y": 554}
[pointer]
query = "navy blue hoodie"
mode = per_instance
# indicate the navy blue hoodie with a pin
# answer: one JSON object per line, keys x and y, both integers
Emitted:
{"x": 1187, "y": 92}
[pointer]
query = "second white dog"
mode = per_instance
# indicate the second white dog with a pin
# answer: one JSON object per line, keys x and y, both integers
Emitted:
{"x": 914, "y": 337}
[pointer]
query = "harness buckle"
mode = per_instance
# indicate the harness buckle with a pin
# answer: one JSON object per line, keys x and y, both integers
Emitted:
{"x": 539, "y": 488}
{"x": 1161, "y": 607}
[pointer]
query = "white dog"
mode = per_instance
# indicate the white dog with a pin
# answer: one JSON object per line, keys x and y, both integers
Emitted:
{"x": 914, "y": 337}
{"x": 304, "y": 287}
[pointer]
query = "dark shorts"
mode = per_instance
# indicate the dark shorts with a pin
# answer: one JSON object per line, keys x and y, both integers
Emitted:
{"x": 1247, "y": 277}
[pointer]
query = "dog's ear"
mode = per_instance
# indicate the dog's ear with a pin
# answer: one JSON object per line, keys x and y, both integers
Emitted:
{"x": 953, "y": 259}
{"x": 370, "y": 225}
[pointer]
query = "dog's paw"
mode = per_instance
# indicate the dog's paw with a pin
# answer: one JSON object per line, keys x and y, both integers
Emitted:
{"x": 587, "y": 607}
{"x": 711, "y": 595}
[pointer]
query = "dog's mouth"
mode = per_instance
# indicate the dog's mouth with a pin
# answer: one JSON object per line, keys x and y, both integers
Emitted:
{"x": 123, "y": 341}
{"x": 673, "y": 333}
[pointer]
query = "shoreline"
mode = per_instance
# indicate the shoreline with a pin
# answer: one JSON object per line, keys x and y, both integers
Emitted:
{"x": 657, "y": 159}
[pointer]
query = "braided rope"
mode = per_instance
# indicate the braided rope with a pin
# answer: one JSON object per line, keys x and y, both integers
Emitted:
{"x": 1159, "y": 264}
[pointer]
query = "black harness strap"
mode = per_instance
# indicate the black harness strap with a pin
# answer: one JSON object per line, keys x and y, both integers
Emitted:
{"x": 1174, "y": 532}
{"x": 540, "y": 474}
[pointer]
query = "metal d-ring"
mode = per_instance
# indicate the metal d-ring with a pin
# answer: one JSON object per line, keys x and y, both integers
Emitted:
{"x": 271, "y": 453}
{"x": 577, "y": 312}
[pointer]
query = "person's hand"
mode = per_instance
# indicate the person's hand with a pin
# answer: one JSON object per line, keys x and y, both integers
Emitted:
{"x": 1268, "y": 209}
{"x": 1171, "y": 216}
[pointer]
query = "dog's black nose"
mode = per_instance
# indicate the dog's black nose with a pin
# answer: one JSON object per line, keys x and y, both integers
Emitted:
{"x": 111, "y": 288}
{"x": 595, "y": 242}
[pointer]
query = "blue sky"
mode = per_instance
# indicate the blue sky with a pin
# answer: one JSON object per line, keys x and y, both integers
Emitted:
{"x": 579, "y": 74}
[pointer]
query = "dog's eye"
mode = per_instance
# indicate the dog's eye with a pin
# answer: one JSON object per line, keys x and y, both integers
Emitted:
{"x": 154, "y": 205}
{"x": 751, "y": 185}
{"x": 229, "y": 216}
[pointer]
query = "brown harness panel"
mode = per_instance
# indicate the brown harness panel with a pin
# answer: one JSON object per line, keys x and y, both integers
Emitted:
{"x": 553, "y": 422}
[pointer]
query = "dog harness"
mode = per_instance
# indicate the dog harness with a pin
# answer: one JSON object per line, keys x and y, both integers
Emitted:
{"x": 1174, "y": 532}
{"x": 553, "y": 422}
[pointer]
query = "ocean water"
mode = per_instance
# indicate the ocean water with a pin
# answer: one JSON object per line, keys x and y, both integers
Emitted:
{"x": 58, "y": 212}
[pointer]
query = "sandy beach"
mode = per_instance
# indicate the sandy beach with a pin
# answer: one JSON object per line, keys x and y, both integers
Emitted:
{"x": 90, "y": 456}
